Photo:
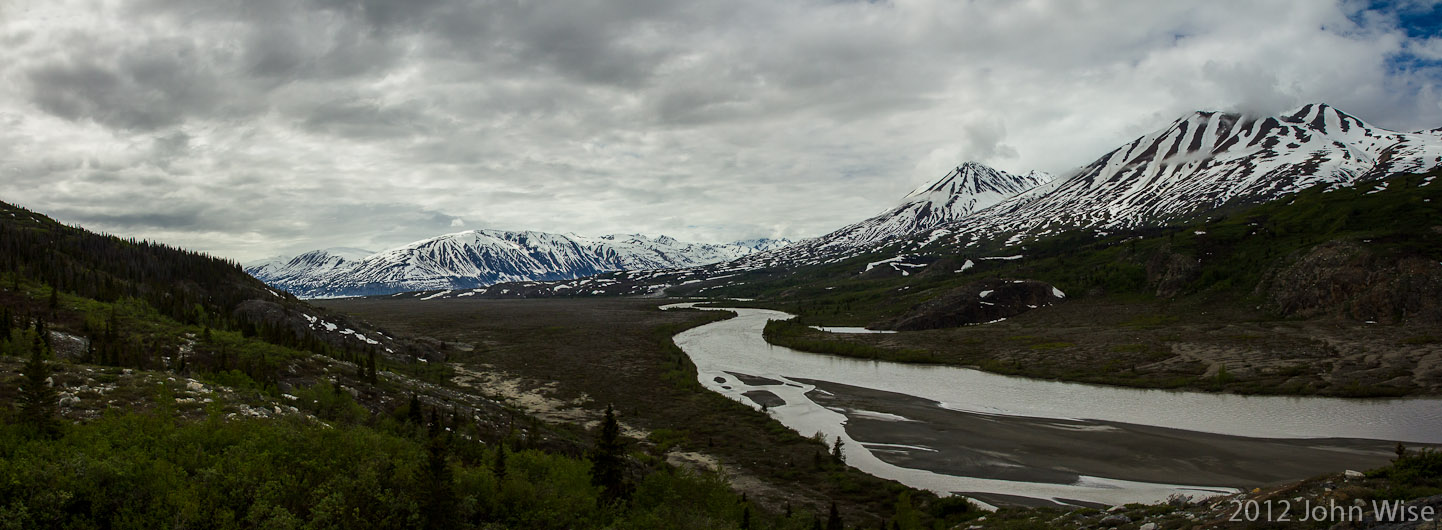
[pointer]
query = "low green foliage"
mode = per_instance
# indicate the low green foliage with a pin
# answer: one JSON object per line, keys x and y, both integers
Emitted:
{"x": 330, "y": 402}
{"x": 148, "y": 471}
{"x": 1052, "y": 345}
{"x": 665, "y": 439}
{"x": 1412, "y": 474}
{"x": 797, "y": 336}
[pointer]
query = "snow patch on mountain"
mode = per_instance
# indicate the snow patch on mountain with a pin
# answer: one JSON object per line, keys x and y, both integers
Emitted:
{"x": 1199, "y": 163}
{"x": 969, "y": 188}
{"x": 478, "y": 258}
{"x": 1207, "y": 160}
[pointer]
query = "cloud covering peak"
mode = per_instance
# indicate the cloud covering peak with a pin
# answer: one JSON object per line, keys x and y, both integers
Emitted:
{"x": 254, "y": 128}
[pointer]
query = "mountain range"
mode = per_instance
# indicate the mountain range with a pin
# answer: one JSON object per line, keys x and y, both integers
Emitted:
{"x": 479, "y": 258}
{"x": 970, "y": 188}
{"x": 1201, "y": 163}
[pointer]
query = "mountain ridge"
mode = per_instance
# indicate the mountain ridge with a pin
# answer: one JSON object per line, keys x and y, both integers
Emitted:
{"x": 1206, "y": 160}
{"x": 968, "y": 188}
{"x": 478, "y": 258}
{"x": 1200, "y": 162}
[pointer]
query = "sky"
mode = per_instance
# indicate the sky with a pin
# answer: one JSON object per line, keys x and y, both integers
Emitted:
{"x": 253, "y": 128}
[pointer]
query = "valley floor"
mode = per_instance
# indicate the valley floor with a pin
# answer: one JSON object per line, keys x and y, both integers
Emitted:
{"x": 1151, "y": 344}
{"x": 567, "y": 359}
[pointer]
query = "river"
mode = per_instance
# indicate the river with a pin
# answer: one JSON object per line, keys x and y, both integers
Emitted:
{"x": 1003, "y": 438}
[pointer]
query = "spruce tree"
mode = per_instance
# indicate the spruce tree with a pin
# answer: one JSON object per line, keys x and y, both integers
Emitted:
{"x": 41, "y": 332}
{"x": 413, "y": 412}
{"x": 833, "y": 519}
{"x": 38, "y": 400}
{"x": 836, "y": 451}
{"x": 5, "y": 321}
{"x": 371, "y": 367}
{"x": 607, "y": 459}
{"x": 438, "y": 507}
{"x": 498, "y": 466}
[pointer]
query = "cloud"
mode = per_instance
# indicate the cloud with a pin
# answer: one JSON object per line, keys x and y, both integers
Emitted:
{"x": 253, "y": 128}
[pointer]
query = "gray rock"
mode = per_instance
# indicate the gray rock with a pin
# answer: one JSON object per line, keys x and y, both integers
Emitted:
{"x": 1114, "y": 520}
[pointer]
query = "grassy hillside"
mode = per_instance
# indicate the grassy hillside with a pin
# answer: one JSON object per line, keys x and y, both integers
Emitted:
{"x": 143, "y": 386}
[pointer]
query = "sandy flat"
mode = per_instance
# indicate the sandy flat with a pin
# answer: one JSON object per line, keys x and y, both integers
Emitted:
{"x": 1059, "y": 451}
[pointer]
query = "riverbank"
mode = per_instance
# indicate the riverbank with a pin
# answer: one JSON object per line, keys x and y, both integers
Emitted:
{"x": 918, "y": 433}
{"x": 573, "y": 357}
{"x": 1163, "y": 346}
{"x": 1004, "y": 438}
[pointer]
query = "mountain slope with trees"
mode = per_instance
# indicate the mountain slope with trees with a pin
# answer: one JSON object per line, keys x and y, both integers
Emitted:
{"x": 1334, "y": 291}
{"x": 179, "y": 392}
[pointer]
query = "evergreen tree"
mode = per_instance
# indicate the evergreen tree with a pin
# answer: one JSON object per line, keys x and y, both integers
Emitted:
{"x": 41, "y": 332}
{"x": 38, "y": 400}
{"x": 836, "y": 451}
{"x": 371, "y": 367}
{"x": 413, "y": 411}
{"x": 439, "y": 506}
{"x": 833, "y": 519}
{"x": 498, "y": 466}
{"x": 607, "y": 460}
{"x": 5, "y": 321}
{"x": 54, "y": 299}
{"x": 745, "y": 518}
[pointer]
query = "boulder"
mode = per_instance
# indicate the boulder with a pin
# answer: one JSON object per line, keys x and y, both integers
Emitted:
{"x": 1114, "y": 520}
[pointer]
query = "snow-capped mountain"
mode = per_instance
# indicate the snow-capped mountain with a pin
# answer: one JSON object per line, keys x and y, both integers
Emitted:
{"x": 968, "y": 188}
{"x": 282, "y": 270}
{"x": 265, "y": 266}
{"x": 763, "y": 244}
{"x": 479, "y": 258}
{"x": 1204, "y": 161}
{"x": 1199, "y": 163}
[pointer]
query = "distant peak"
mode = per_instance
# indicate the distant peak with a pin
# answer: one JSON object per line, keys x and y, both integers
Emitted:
{"x": 974, "y": 178}
{"x": 1311, "y": 110}
{"x": 966, "y": 176}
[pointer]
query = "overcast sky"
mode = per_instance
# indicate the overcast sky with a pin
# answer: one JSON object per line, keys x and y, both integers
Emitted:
{"x": 249, "y": 128}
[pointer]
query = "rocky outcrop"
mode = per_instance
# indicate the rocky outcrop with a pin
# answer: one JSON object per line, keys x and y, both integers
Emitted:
{"x": 976, "y": 303}
{"x": 1346, "y": 279}
{"x": 1171, "y": 272}
{"x": 338, "y": 331}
